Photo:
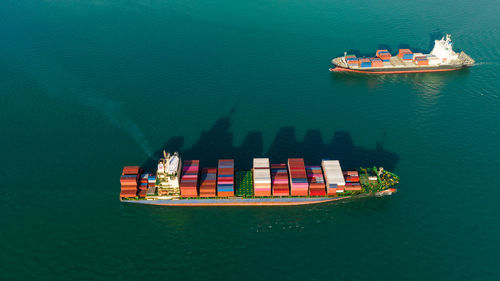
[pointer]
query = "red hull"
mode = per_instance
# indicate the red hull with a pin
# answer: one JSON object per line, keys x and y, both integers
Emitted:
{"x": 341, "y": 69}
{"x": 250, "y": 203}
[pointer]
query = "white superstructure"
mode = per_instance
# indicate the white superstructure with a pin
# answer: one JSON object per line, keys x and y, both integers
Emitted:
{"x": 443, "y": 49}
{"x": 168, "y": 172}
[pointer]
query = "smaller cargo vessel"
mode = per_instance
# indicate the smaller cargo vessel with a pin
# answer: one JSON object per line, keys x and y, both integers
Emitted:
{"x": 184, "y": 183}
{"x": 441, "y": 58}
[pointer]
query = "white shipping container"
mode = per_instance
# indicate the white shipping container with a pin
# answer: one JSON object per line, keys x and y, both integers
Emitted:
{"x": 262, "y": 175}
{"x": 333, "y": 172}
{"x": 261, "y": 163}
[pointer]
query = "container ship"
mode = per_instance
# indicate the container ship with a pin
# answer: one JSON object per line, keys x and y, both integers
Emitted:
{"x": 441, "y": 58}
{"x": 178, "y": 182}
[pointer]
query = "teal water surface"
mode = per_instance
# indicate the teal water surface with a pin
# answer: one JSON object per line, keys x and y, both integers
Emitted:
{"x": 87, "y": 87}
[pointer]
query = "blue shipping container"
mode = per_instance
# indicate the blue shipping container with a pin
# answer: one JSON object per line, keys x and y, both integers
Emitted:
{"x": 407, "y": 56}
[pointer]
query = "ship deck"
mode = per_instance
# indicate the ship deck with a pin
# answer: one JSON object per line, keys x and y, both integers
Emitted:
{"x": 397, "y": 63}
{"x": 372, "y": 181}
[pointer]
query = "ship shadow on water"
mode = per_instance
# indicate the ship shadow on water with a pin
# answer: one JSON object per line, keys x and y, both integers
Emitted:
{"x": 217, "y": 143}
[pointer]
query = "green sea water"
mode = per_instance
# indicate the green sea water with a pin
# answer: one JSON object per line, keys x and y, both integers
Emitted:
{"x": 87, "y": 87}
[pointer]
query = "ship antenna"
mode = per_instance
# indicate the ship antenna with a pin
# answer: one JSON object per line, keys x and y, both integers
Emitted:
{"x": 345, "y": 54}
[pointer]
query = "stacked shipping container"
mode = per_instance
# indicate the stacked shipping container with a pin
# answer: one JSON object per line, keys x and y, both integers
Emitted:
{"x": 261, "y": 177}
{"x": 128, "y": 181}
{"x": 376, "y": 62}
{"x": 280, "y": 180}
{"x": 335, "y": 182}
{"x": 225, "y": 178}
{"x": 316, "y": 181}
{"x": 352, "y": 181}
{"x": 189, "y": 179}
{"x": 365, "y": 63}
{"x": 151, "y": 185}
{"x": 405, "y": 54}
{"x": 420, "y": 59}
{"x": 298, "y": 177}
{"x": 143, "y": 185}
{"x": 208, "y": 186}
{"x": 384, "y": 55}
{"x": 351, "y": 59}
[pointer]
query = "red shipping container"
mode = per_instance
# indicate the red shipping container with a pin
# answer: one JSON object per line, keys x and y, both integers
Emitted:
{"x": 128, "y": 194}
{"x": 317, "y": 192}
{"x": 129, "y": 188}
{"x": 131, "y": 170}
{"x": 128, "y": 181}
{"x": 351, "y": 173}
{"x": 226, "y": 171}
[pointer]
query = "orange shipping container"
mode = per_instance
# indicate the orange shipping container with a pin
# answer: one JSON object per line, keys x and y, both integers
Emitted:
{"x": 353, "y": 188}
{"x": 207, "y": 195}
{"x": 262, "y": 192}
{"x": 129, "y": 187}
{"x": 422, "y": 62}
{"x": 384, "y": 56}
{"x": 381, "y": 51}
{"x": 376, "y": 62}
{"x": 225, "y": 193}
{"x": 131, "y": 170}
{"x": 128, "y": 194}
{"x": 404, "y": 51}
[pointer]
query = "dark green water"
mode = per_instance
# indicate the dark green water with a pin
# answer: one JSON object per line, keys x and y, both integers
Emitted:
{"x": 87, "y": 87}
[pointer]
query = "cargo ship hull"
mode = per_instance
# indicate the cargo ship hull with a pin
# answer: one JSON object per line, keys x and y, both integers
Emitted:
{"x": 441, "y": 58}
{"x": 278, "y": 201}
{"x": 265, "y": 184}
{"x": 396, "y": 70}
